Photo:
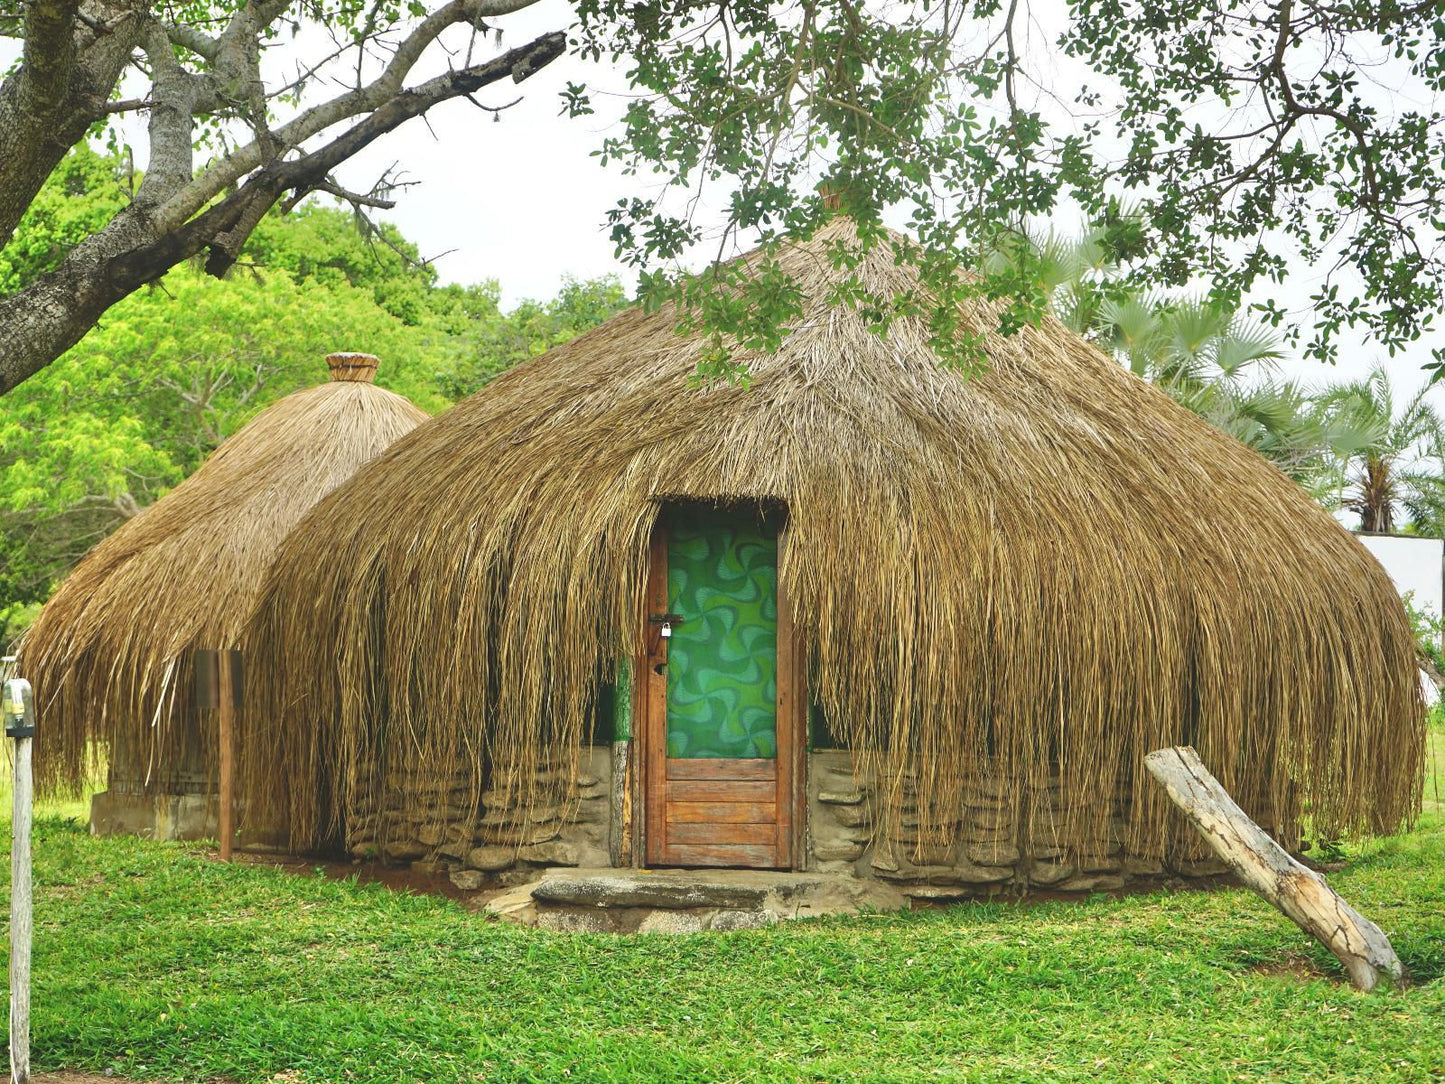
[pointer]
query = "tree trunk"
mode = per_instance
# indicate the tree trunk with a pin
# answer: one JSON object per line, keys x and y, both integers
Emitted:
{"x": 59, "y": 90}
{"x": 1263, "y": 865}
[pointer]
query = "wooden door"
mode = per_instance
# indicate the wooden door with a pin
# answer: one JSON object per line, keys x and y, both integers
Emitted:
{"x": 721, "y": 752}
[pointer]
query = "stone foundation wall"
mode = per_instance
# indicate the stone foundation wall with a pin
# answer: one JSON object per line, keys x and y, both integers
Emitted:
{"x": 998, "y": 841}
{"x": 422, "y": 815}
{"x": 435, "y": 823}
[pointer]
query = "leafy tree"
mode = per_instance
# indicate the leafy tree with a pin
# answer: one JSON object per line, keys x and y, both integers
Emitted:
{"x": 532, "y": 328}
{"x": 14, "y": 620}
{"x": 1240, "y": 135}
{"x": 140, "y": 403}
{"x": 175, "y": 369}
{"x": 1246, "y": 134}
{"x": 1389, "y": 453}
{"x": 330, "y": 246}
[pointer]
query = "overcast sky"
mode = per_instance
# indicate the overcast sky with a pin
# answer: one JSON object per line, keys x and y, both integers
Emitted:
{"x": 519, "y": 198}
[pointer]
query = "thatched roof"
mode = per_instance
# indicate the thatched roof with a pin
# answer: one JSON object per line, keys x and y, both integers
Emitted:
{"x": 1047, "y": 566}
{"x": 108, "y": 655}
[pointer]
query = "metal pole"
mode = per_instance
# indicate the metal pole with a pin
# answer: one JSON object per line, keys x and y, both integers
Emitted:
{"x": 20, "y": 918}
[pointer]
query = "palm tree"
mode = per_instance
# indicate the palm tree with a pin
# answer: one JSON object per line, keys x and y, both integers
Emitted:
{"x": 1199, "y": 352}
{"x": 1388, "y": 458}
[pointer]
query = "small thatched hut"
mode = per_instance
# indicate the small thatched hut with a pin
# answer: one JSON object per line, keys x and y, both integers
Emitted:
{"x": 865, "y": 613}
{"x": 109, "y": 655}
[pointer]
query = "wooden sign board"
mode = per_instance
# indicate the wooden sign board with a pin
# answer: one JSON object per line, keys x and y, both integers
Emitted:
{"x": 208, "y": 678}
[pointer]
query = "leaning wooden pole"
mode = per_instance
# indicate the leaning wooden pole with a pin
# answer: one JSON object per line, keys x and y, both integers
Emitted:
{"x": 1263, "y": 865}
{"x": 226, "y": 740}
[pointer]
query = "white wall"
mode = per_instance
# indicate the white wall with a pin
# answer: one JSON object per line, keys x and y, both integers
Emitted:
{"x": 1415, "y": 564}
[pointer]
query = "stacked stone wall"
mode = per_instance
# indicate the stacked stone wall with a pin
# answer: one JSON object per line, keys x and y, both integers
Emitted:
{"x": 994, "y": 840}
{"x": 437, "y": 823}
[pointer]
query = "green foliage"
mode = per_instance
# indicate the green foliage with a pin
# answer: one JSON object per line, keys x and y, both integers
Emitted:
{"x": 497, "y": 341}
{"x": 1203, "y": 141}
{"x": 1429, "y": 629}
{"x": 56, "y": 466}
{"x": 80, "y": 197}
{"x": 156, "y": 962}
{"x": 15, "y": 618}
{"x": 142, "y": 400}
{"x": 326, "y": 246}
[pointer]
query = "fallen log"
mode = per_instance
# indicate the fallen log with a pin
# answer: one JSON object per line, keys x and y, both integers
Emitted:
{"x": 1266, "y": 867}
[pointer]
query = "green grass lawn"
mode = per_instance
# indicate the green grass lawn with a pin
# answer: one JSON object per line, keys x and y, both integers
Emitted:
{"x": 158, "y": 962}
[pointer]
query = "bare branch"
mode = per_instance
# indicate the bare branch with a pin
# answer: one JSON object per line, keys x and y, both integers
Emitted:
{"x": 356, "y": 199}
{"x": 223, "y": 173}
{"x": 41, "y": 322}
{"x": 492, "y": 108}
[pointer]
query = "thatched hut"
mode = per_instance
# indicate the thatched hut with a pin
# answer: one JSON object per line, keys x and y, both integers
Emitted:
{"x": 864, "y": 613}
{"x": 110, "y": 653}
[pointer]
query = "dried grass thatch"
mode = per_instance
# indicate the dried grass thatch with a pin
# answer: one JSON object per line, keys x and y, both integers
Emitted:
{"x": 109, "y": 655}
{"x": 1047, "y": 569}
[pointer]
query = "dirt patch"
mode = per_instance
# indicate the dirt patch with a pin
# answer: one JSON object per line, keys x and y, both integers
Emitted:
{"x": 397, "y": 878}
{"x": 1034, "y": 895}
{"x": 1293, "y": 966}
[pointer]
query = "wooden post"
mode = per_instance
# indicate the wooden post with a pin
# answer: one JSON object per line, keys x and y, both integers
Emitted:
{"x": 1263, "y": 865}
{"x": 226, "y": 741}
{"x": 21, "y": 919}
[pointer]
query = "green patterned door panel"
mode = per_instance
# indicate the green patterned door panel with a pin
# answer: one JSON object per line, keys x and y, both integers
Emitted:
{"x": 722, "y": 688}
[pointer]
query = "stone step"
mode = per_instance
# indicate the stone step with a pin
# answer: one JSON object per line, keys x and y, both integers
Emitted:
{"x": 682, "y": 901}
{"x": 625, "y": 889}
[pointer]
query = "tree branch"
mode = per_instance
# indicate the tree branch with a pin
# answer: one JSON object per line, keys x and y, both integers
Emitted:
{"x": 197, "y": 41}
{"x": 356, "y": 199}
{"x": 223, "y": 173}
{"x": 173, "y": 95}
{"x": 41, "y": 322}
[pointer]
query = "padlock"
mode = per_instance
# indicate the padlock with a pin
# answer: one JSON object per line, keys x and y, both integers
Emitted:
{"x": 666, "y": 629}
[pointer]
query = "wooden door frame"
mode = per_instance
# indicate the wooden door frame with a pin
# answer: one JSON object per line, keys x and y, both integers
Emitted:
{"x": 650, "y": 711}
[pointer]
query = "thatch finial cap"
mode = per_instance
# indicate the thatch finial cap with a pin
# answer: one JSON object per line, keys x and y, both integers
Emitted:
{"x": 831, "y": 193}
{"x": 357, "y": 368}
